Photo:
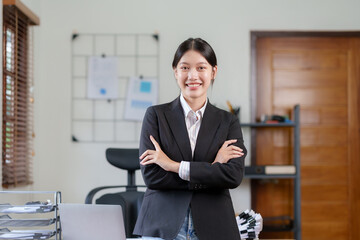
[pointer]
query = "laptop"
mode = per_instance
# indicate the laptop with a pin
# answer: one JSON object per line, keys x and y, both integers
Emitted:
{"x": 91, "y": 222}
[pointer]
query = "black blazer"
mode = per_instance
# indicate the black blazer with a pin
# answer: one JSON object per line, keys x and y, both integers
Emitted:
{"x": 168, "y": 197}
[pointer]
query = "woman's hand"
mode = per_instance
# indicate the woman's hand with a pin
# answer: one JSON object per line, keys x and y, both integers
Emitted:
{"x": 227, "y": 152}
{"x": 158, "y": 157}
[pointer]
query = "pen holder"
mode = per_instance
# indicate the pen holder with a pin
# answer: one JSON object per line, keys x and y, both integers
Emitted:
{"x": 237, "y": 112}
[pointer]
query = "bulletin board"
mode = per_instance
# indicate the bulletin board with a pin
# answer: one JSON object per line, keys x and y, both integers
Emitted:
{"x": 102, "y": 120}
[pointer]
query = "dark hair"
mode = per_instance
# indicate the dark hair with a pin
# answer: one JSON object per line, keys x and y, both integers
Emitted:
{"x": 196, "y": 44}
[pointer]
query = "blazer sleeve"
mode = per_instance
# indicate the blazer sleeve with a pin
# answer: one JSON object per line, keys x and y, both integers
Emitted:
{"x": 204, "y": 175}
{"x": 154, "y": 176}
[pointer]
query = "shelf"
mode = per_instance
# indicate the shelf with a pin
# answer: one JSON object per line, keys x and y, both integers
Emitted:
{"x": 258, "y": 172}
{"x": 270, "y": 171}
{"x": 12, "y": 215}
{"x": 26, "y": 234}
{"x": 7, "y": 221}
{"x": 278, "y": 224}
{"x": 34, "y": 208}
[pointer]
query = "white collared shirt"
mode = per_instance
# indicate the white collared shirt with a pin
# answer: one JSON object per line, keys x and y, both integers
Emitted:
{"x": 193, "y": 123}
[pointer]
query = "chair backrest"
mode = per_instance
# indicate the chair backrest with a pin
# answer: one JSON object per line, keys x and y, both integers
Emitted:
{"x": 124, "y": 158}
{"x": 127, "y": 159}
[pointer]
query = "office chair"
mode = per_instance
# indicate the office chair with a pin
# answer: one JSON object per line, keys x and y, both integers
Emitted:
{"x": 130, "y": 199}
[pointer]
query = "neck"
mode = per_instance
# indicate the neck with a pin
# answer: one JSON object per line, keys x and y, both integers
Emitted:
{"x": 195, "y": 103}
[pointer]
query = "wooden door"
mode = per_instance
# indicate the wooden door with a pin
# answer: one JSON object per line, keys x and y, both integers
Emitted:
{"x": 322, "y": 74}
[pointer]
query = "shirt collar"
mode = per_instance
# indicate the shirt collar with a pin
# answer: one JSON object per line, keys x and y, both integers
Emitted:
{"x": 187, "y": 108}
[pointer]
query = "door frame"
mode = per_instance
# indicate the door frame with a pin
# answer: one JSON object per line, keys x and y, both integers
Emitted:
{"x": 354, "y": 112}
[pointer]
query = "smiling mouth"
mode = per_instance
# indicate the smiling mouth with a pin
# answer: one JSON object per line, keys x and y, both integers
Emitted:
{"x": 193, "y": 85}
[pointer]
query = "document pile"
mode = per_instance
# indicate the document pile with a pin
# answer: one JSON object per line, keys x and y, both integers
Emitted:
{"x": 25, "y": 234}
{"x": 30, "y": 207}
{"x": 250, "y": 224}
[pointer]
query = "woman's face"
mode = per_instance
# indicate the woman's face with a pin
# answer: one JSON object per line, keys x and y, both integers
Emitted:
{"x": 194, "y": 74}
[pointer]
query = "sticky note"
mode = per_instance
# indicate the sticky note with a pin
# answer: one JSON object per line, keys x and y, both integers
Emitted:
{"x": 145, "y": 87}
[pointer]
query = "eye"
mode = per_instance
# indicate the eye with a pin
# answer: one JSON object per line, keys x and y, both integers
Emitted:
{"x": 201, "y": 68}
{"x": 184, "y": 68}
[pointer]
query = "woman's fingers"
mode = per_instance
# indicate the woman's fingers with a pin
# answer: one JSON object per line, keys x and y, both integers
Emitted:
{"x": 231, "y": 147}
{"x": 236, "y": 155}
{"x": 235, "y": 148}
{"x": 227, "y": 145}
{"x": 147, "y": 152}
{"x": 150, "y": 161}
{"x": 156, "y": 145}
{"x": 235, "y": 151}
{"x": 147, "y": 159}
{"x": 228, "y": 142}
{"x": 144, "y": 154}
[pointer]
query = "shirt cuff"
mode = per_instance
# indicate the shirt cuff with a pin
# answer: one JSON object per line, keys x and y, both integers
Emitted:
{"x": 184, "y": 170}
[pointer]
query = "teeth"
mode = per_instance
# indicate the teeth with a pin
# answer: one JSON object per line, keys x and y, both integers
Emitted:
{"x": 194, "y": 85}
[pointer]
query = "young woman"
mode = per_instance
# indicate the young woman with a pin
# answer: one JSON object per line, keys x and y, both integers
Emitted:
{"x": 192, "y": 153}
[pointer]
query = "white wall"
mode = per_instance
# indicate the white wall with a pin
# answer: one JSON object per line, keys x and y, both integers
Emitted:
{"x": 75, "y": 168}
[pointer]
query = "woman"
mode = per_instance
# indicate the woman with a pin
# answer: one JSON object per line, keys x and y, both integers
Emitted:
{"x": 191, "y": 154}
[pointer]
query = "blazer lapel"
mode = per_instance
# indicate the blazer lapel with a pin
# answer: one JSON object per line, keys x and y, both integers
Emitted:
{"x": 209, "y": 125}
{"x": 176, "y": 120}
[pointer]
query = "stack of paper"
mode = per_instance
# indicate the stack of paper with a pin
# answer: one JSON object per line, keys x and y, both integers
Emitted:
{"x": 250, "y": 224}
{"x": 31, "y": 207}
{"x": 26, "y": 234}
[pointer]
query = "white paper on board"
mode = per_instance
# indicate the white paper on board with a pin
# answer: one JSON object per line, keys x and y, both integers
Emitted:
{"x": 142, "y": 93}
{"x": 102, "y": 78}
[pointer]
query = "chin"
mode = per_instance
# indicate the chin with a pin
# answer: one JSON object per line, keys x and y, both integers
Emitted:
{"x": 194, "y": 95}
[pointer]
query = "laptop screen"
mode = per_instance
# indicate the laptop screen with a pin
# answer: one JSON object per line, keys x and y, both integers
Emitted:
{"x": 91, "y": 222}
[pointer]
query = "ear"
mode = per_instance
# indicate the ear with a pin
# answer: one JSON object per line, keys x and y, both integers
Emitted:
{"x": 175, "y": 72}
{"x": 214, "y": 72}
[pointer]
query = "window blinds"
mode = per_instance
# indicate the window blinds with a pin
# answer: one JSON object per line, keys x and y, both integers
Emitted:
{"x": 17, "y": 130}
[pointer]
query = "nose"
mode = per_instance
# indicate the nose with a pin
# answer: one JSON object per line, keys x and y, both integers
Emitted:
{"x": 192, "y": 74}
